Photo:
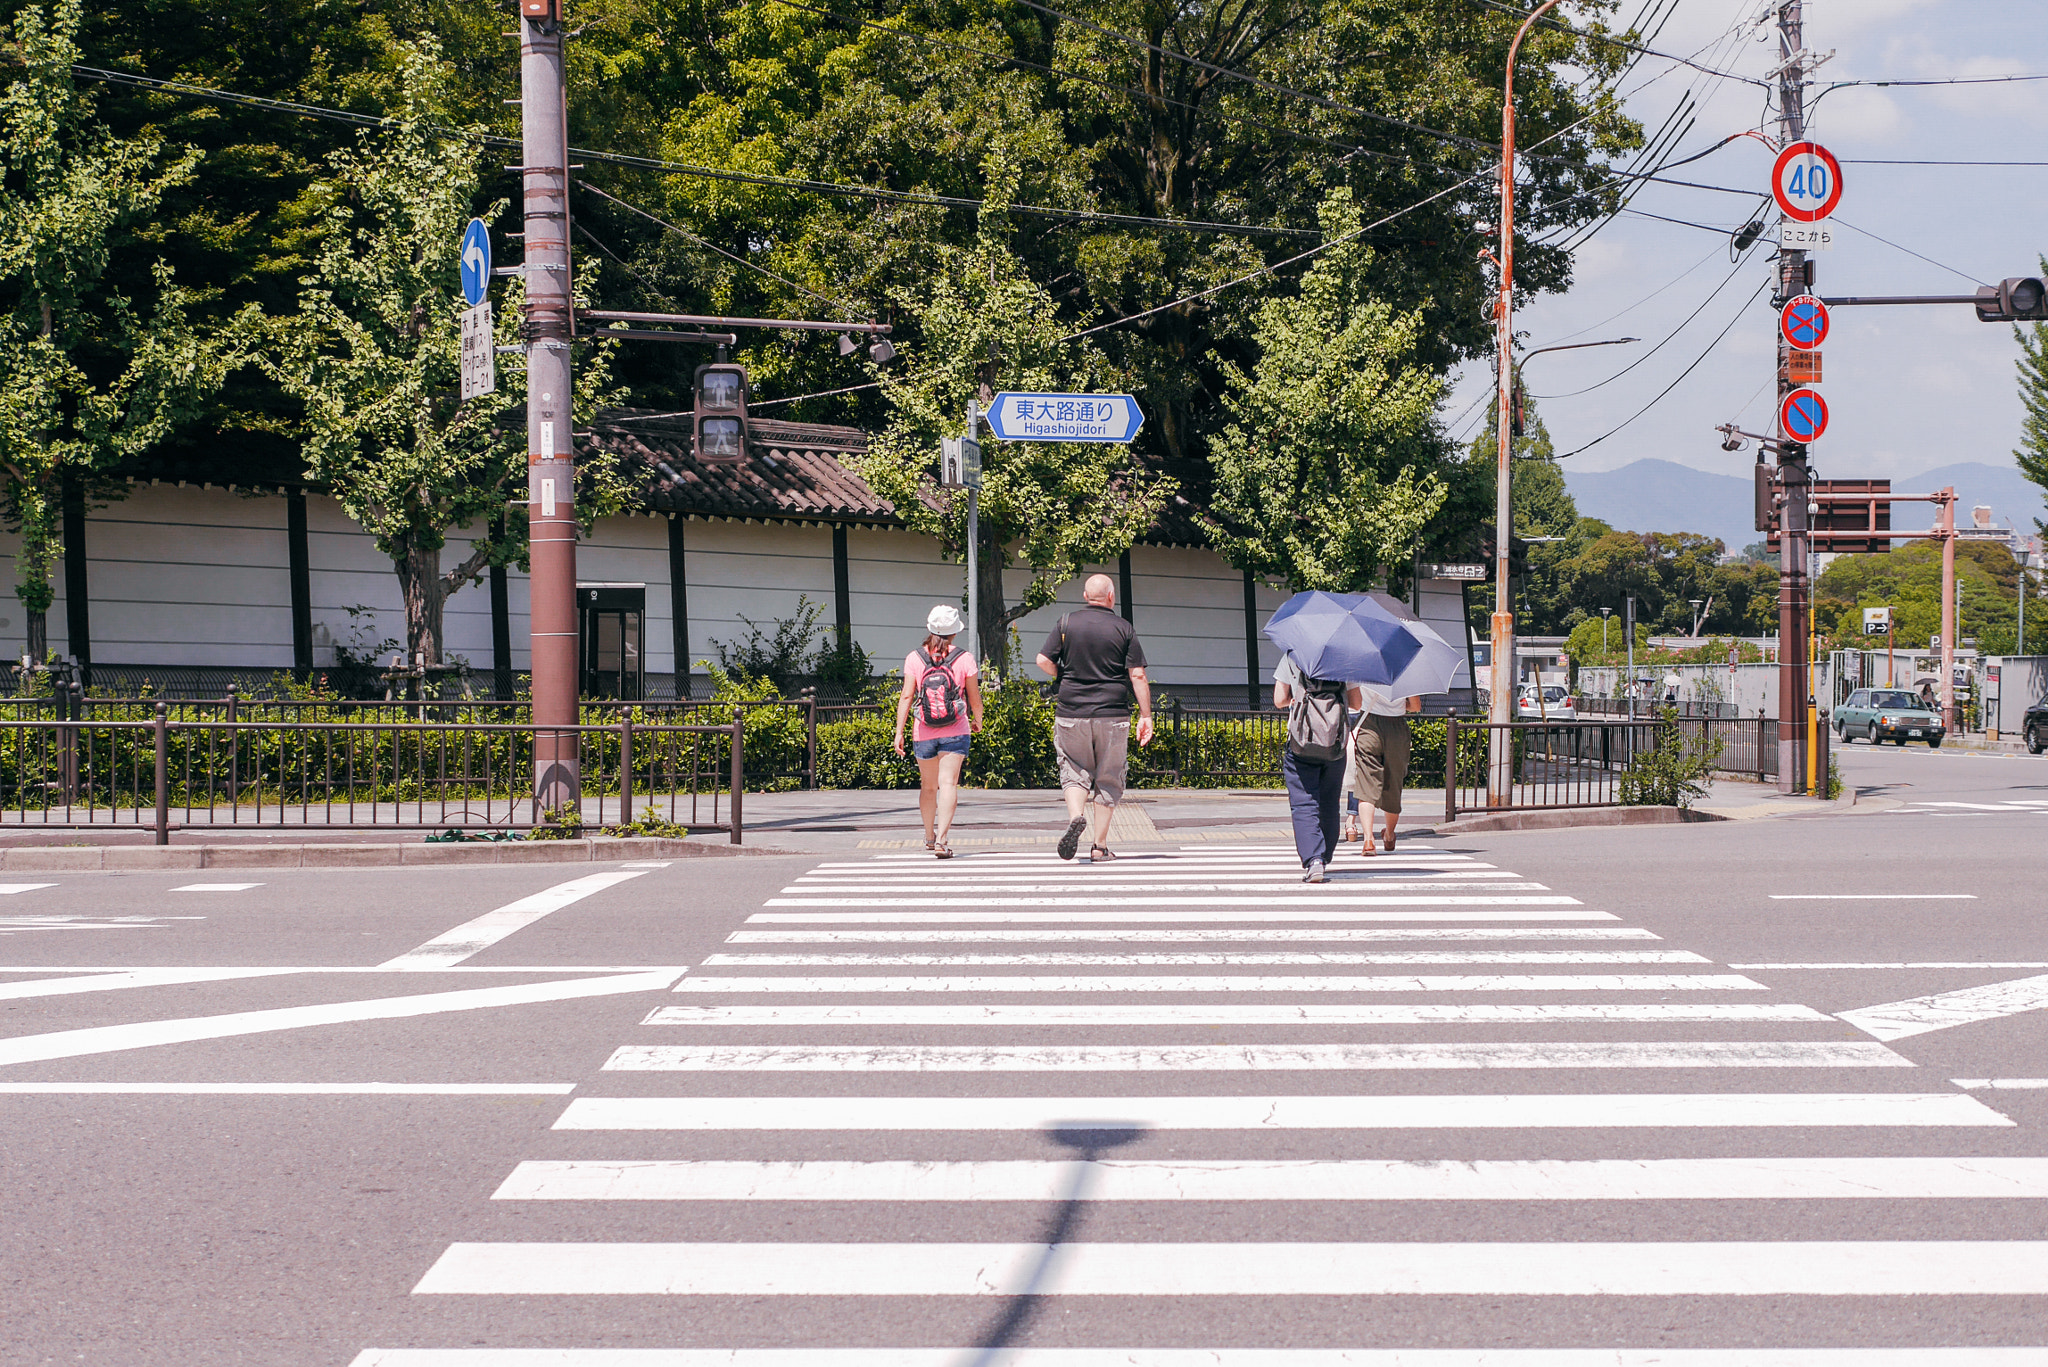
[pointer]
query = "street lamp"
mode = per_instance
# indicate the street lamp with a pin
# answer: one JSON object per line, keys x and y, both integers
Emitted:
{"x": 1605, "y": 613}
{"x": 1500, "y": 709}
{"x": 1695, "y": 617}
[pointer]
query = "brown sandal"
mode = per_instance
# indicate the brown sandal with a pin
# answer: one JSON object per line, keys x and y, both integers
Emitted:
{"x": 1100, "y": 854}
{"x": 942, "y": 851}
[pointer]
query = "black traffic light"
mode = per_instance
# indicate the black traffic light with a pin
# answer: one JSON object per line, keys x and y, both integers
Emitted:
{"x": 2021, "y": 299}
{"x": 721, "y": 417}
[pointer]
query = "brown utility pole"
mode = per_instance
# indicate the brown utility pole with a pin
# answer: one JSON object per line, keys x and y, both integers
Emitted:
{"x": 1794, "y": 683}
{"x": 550, "y": 459}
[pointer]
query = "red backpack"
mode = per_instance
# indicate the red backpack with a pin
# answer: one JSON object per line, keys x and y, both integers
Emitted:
{"x": 939, "y": 700}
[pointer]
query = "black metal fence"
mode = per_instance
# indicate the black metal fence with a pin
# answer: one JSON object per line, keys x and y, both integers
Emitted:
{"x": 397, "y": 773}
{"x": 1749, "y": 745}
{"x": 1536, "y": 766}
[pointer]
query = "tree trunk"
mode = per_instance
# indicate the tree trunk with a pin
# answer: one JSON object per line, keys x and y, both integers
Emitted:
{"x": 991, "y": 628}
{"x": 419, "y": 581}
{"x": 38, "y": 648}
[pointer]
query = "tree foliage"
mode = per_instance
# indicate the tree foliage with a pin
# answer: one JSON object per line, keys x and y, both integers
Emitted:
{"x": 373, "y": 353}
{"x": 93, "y": 374}
{"x": 1907, "y": 579}
{"x": 2032, "y": 365}
{"x": 1053, "y": 507}
{"x": 1325, "y": 467}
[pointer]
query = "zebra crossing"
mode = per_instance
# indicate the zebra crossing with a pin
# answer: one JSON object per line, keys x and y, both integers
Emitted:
{"x": 1196, "y": 1038}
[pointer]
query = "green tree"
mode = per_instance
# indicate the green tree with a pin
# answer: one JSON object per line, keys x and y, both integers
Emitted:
{"x": 2032, "y": 365}
{"x": 1326, "y": 469}
{"x": 1053, "y": 507}
{"x": 373, "y": 353}
{"x": 94, "y": 375}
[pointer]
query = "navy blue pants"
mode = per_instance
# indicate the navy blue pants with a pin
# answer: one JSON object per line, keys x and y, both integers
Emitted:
{"x": 1313, "y": 787}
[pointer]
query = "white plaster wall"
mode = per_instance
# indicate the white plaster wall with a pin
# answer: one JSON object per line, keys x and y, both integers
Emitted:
{"x": 189, "y": 576}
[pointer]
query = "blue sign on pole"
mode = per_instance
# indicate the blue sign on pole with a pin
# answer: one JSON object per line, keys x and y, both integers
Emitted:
{"x": 1803, "y": 415}
{"x": 1065, "y": 417}
{"x": 476, "y": 262}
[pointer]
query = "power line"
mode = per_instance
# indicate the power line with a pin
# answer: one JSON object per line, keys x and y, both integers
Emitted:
{"x": 1590, "y": 36}
{"x": 1930, "y": 161}
{"x": 1909, "y": 251}
{"x": 1669, "y": 337}
{"x": 822, "y": 187}
{"x": 1675, "y": 383}
{"x": 730, "y": 256}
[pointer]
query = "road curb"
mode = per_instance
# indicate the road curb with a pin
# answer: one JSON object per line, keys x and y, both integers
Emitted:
{"x": 131, "y": 858}
{"x": 1574, "y": 817}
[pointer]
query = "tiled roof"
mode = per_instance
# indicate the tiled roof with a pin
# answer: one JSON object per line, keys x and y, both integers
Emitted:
{"x": 794, "y": 472}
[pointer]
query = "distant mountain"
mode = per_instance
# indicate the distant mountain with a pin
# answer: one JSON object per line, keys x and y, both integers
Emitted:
{"x": 1661, "y": 496}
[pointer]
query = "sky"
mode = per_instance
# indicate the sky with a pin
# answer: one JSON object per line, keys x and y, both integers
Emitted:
{"x": 1908, "y": 388}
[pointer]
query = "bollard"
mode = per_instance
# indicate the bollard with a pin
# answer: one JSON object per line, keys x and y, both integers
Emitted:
{"x": 1450, "y": 770}
{"x": 626, "y": 768}
{"x": 163, "y": 775}
{"x": 739, "y": 774}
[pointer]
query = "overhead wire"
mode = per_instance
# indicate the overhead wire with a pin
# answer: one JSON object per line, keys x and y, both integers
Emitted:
{"x": 870, "y": 192}
{"x": 1668, "y": 338}
{"x": 1561, "y": 27}
{"x": 1675, "y": 383}
{"x": 1908, "y": 251}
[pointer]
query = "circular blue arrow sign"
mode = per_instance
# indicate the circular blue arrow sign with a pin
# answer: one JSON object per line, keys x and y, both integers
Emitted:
{"x": 475, "y": 262}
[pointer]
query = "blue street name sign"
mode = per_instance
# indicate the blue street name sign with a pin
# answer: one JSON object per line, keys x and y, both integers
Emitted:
{"x": 476, "y": 262}
{"x": 1065, "y": 417}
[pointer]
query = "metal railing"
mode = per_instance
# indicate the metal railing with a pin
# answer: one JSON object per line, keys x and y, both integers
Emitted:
{"x": 402, "y": 774}
{"x": 1551, "y": 765}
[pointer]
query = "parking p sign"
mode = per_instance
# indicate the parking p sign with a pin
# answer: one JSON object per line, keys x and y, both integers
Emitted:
{"x": 1877, "y": 621}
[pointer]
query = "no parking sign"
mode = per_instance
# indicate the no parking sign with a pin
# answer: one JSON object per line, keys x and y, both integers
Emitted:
{"x": 1804, "y": 415}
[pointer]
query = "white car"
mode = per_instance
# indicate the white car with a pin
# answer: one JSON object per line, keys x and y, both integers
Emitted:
{"x": 1554, "y": 705}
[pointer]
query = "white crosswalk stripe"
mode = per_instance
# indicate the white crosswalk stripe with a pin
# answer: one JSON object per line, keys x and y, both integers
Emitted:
{"x": 1116, "y": 1021}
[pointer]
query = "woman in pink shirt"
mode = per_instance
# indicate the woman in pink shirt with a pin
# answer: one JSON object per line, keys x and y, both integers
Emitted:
{"x": 943, "y": 686}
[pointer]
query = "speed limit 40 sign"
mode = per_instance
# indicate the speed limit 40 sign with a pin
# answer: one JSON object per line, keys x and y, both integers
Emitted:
{"x": 1807, "y": 182}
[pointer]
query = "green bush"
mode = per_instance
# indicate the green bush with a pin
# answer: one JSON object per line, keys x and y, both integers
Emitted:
{"x": 856, "y": 753}
{"x": 1014, "y": 749}
{"x": 1672, "y": 772}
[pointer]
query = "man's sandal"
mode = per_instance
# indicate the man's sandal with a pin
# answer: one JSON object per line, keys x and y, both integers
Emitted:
{"x": 1100, "y": 854}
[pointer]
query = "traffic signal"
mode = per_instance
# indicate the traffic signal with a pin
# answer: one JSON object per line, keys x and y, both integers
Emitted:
{"x": 2020, "y": 299}
{"x": 721, "y": 417}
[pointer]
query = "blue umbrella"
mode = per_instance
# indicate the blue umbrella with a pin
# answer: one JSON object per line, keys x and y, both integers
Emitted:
{"x": 1435, "y": 665}
{"x": 1344, "y": 636}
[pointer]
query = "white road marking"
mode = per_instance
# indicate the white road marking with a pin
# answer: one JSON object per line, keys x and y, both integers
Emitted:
{"x": 11, "y": 924}
{"x": 217, "y": 887}
{"x": 1248, "y": 1057}
{"x": 1963, "y": 1267}
{"x": 1223, "y": 982}
{"x": 2002, "y": 1084}
{"x": 1184, "y": 1013}
{"x": 1253, "y": 958}
{"x": 106, "y": 1039}
{"x": 1262, "y": 934}
{"x": 1461, "y": 1111}
{"x": 475, "y": 936}
{"x": 1199, "y": 1357}
{"x": 288, "y": 1088}
{"x": 1191, "y": 917}
{"x": 141, "y": 977}
{"x": 453, "y": 969}
{"x": 1873, "y": 897}
{"x": 1927, "y": 963}
{"x": 1123, "y": 1179}
{"x": 646, "y": 863}
{"x": 9, "y": 889}
{"x": 1918, "y": 1015}
{"x": 1330, "y": 899}
{"x": 1278, "y": 884}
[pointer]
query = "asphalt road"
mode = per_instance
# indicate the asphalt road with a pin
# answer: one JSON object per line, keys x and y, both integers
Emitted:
{"x": 1544, "y": 1099}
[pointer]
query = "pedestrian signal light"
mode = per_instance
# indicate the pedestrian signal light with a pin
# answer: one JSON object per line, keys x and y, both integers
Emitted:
{"x": 721, "y": 416}
{"x": 2019, "y": 299}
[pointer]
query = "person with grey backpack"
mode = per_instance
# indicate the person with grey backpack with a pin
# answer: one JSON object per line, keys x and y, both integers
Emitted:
{"x": 1313, "y": 763}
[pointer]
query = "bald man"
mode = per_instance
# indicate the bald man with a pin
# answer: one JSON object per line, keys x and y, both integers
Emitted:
{"x": 1095, "y": 656}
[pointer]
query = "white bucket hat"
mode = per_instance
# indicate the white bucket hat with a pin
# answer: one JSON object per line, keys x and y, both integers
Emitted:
{"x": 945, "y": 620}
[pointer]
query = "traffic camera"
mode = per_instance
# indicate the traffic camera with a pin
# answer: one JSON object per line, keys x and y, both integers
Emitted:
{"x": 2020, "y": 299}
{"x": 721, "y": 416}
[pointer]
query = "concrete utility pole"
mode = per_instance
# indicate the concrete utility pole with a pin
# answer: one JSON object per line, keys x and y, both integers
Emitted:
{"x": 1792, "y": 471}
{"x": 1951, "y": 716}
{"x": 550, "y": 460}
{"x": 1500, "y": 769}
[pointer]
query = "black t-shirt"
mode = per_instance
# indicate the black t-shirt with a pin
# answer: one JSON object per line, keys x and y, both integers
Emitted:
{"x": 1096, "y": 659}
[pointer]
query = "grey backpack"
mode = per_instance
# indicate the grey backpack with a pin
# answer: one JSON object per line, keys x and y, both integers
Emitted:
{"x": 1315, "y": 720}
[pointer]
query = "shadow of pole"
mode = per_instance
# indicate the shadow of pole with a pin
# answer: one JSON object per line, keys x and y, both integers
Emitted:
{"x": 1088, "y": 1141}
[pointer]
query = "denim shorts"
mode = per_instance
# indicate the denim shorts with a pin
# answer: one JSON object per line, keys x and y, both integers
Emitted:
{"x": 939, "y": 745}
